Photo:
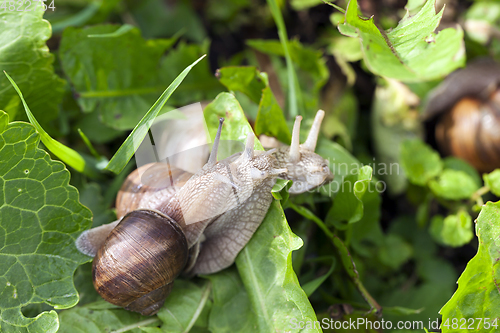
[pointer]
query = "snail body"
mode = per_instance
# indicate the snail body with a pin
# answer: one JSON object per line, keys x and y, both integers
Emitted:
{"x": 215, "y": 212}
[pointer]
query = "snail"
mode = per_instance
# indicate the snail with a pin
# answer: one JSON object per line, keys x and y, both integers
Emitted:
{"x": 466, "y": 107}
{"x": 119, "y": 257}
{"x": 172, "y": 222}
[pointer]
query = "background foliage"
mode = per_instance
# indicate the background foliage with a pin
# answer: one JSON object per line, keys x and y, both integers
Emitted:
{"x": 375, "y": 243}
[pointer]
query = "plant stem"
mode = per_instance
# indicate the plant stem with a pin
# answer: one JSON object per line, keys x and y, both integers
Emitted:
{"x": 340, "y": 9}
{"x": 292, "y": 77}
{"x": 349, "y": 264}
{"x": 477, "y": 196}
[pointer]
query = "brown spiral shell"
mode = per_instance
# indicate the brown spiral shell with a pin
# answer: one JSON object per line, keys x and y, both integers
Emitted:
{"x": 470, "y": 131}
{"x": 139, "y": 261}
{"x": 466, "y": 108}
{"x": 149, "y": 186}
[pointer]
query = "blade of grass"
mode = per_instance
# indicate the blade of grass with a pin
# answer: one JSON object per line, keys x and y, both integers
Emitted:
{"x": 89, "y": 144}
{"x": 100, "y": 161}
{"x": 69, "y": 156}
{"x": 294, "y": 95}
{"x": 78, "y": 19}
{"x": 311, "y": 286}
{"x": 129, "y": 146}
{"x": 120, "y": 31}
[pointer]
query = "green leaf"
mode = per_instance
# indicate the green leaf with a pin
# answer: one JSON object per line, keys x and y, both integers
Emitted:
{"x": 23, "y": 35}
{"x": 454, "y": 230}
{"x": 115, "y": 76}
{"x": 231, "y": 310}
{"x": 270, "y": 119}
{"x": 91, "y": 319}
{"x": 492, "y": 180}
{"x": 395, "y": 251}
{"x": 127, "y": 149}
{"x": 348, "y": 205}
{"x": 40, "y": 218}
{"x": 184, "y": 306}
{"x": 460, "y": 165}
{"x": 453, "y": 185}
{"x": 265, "y": 266}
{"x": 280, "y": 185}
{"x": 307, "y": 59}
{"x": 66, "y": 154}
{"x": 280, "y": 190}
{"x": 419, "y": 161}
{"x": 477, "y": 295}
{"x": 411, "y": 52}
{"x": 265, "y": 263}
{"x": 236, "y": 126}
{"x": 247, "y": 80}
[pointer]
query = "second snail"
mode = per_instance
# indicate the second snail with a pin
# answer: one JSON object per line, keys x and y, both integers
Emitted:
{"x": 465, "y": 111}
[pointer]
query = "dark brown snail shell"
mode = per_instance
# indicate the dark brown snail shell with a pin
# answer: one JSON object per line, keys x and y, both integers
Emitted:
{"x": 466, "y": 107}
{"x": 141, "y": 257}
{"x": 470, "y": 131}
